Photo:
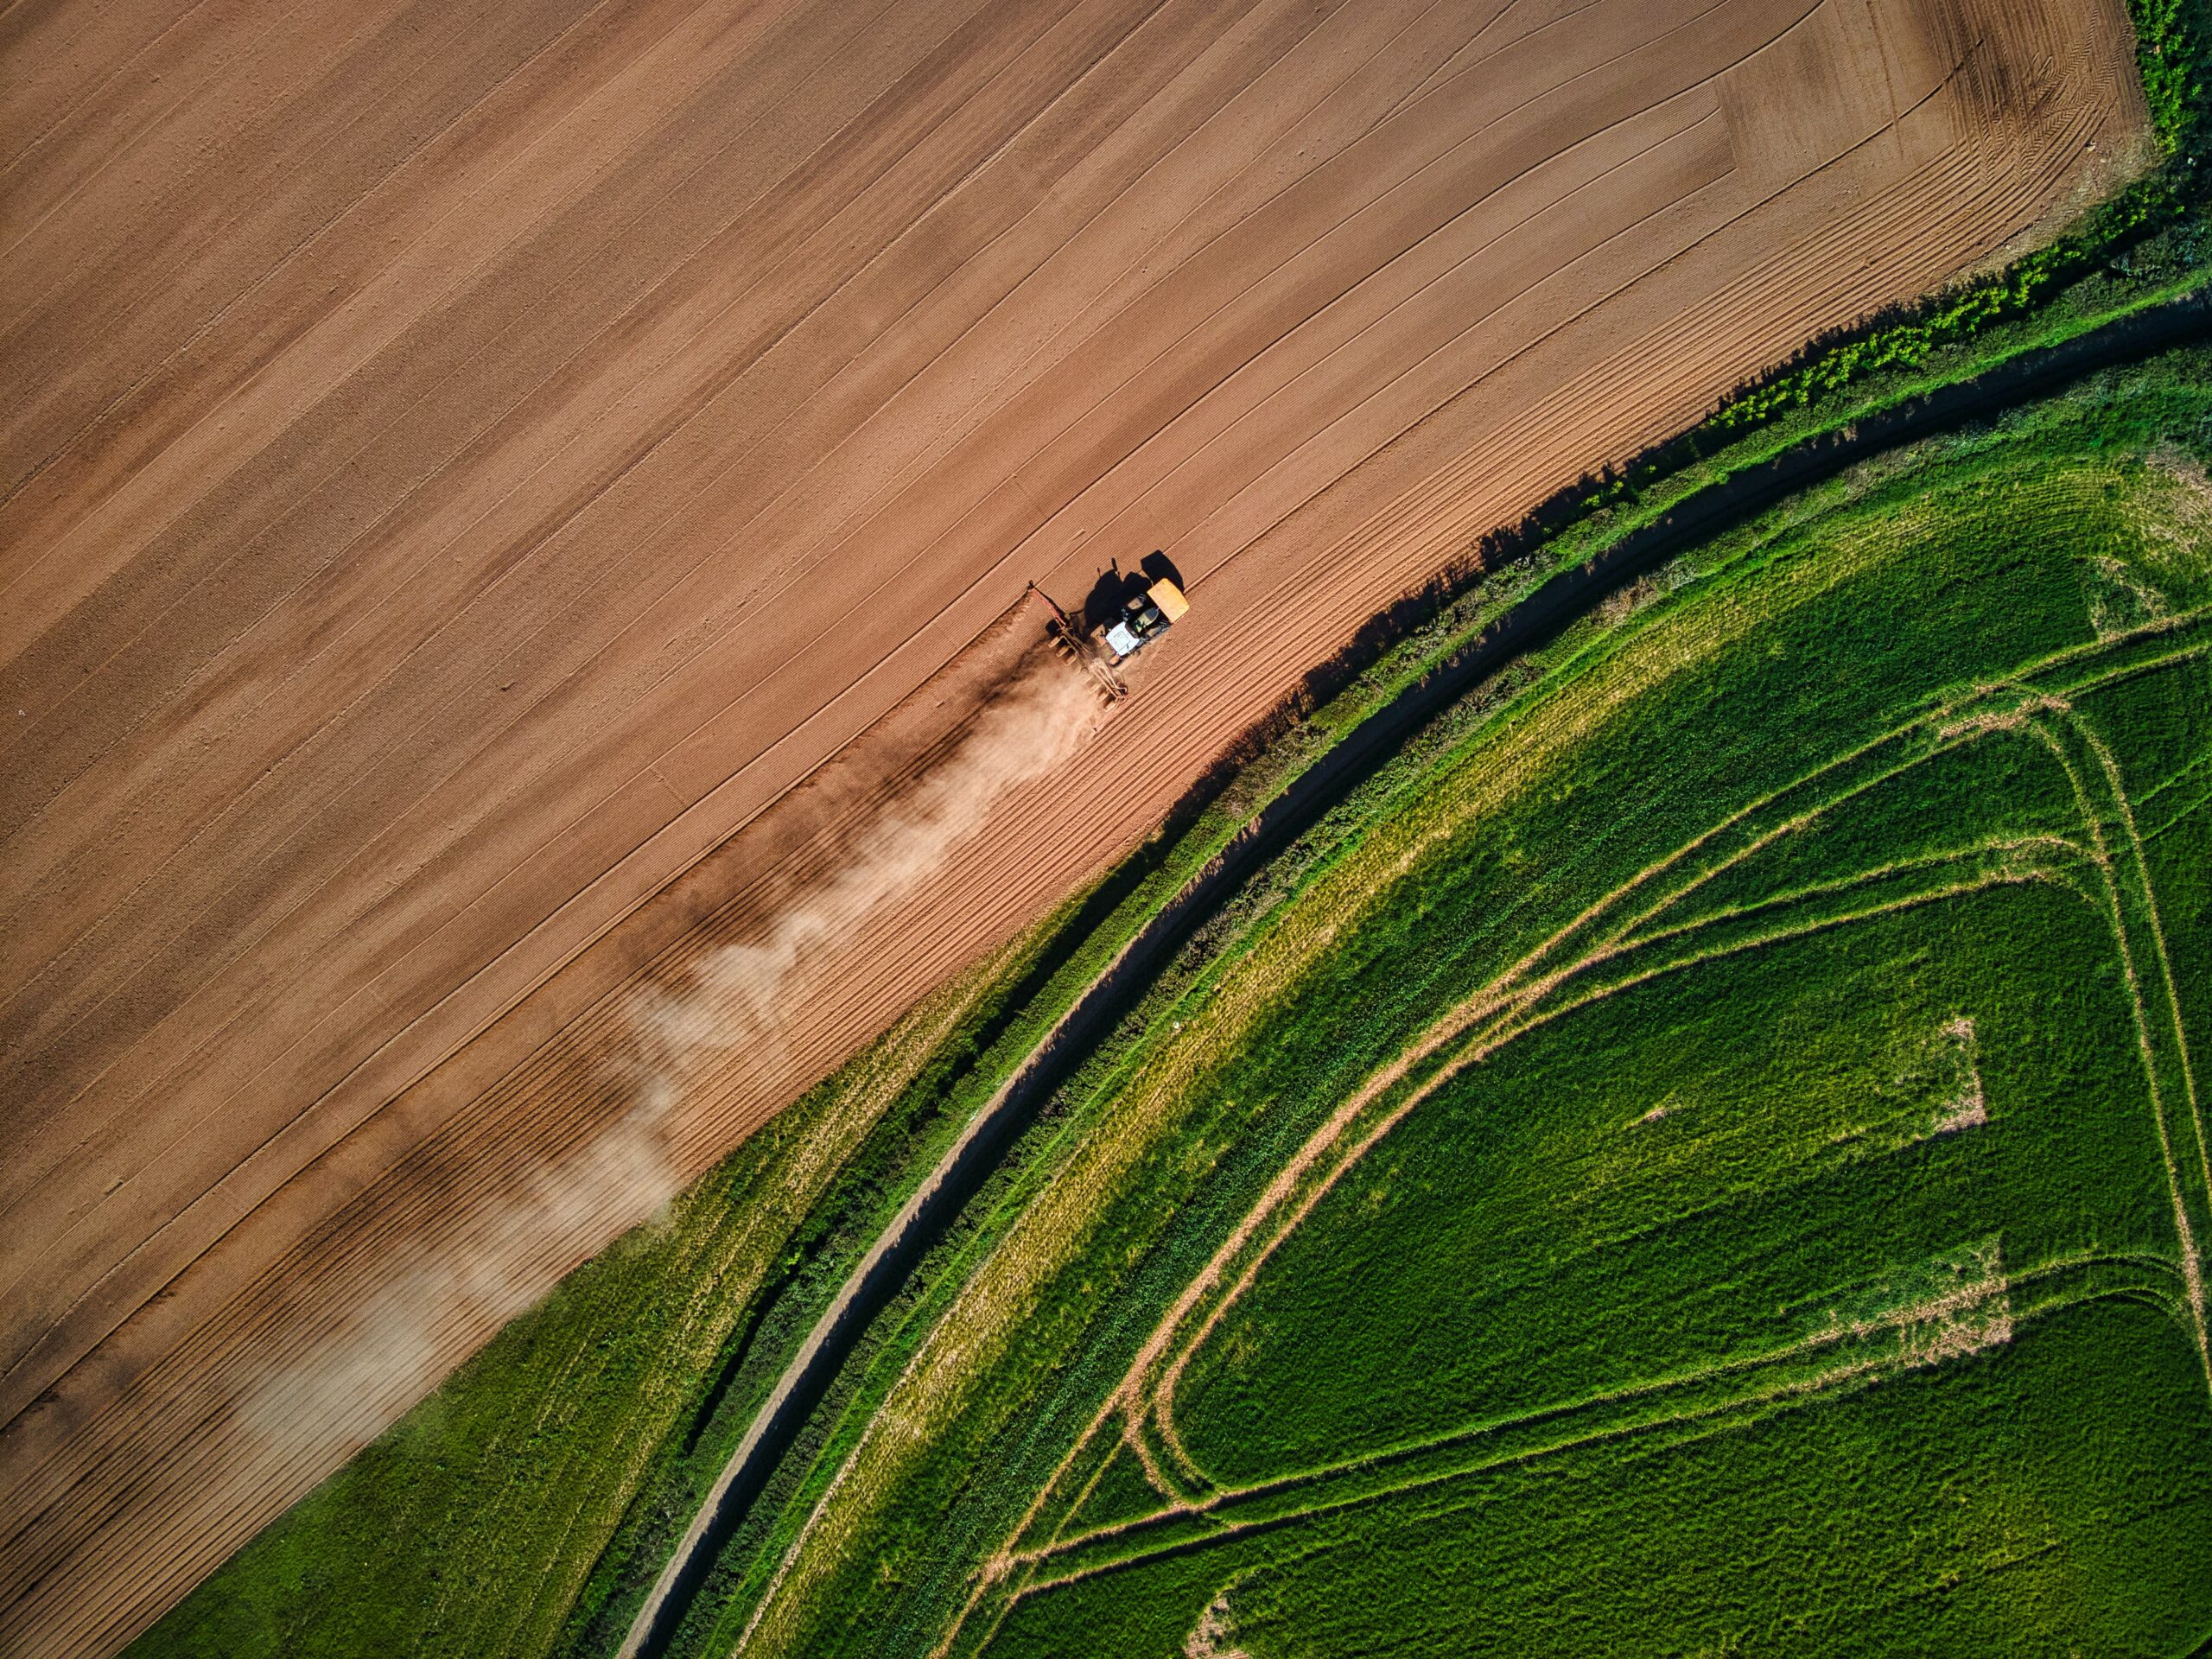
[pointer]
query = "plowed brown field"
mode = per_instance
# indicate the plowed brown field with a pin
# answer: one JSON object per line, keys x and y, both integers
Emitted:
{"x": 464, "y": 464}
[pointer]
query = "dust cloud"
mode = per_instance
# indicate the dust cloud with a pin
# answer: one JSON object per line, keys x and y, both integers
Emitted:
{"x": 389, "y": 1354}
{"x": 393, "y": 1352}
{"x": 736, "y": 998}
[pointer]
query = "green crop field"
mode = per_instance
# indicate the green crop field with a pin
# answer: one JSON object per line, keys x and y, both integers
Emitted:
{"x": 1711, "y": 1161}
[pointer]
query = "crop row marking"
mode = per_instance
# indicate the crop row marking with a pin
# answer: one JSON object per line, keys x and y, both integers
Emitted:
{"x": 2118, "y": 900}
{"x": 1517, "y": 1023}
{"x": 1979, "y": 1314}
{"x": 1494, "y": 1017}
{"x": 2018, "y": 712}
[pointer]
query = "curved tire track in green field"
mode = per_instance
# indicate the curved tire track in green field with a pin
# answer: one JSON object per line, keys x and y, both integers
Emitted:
{"x": 1751, "y": 1385}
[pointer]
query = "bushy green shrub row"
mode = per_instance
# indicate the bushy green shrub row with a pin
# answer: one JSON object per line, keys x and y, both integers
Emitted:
{"x": 2169, "y": 52}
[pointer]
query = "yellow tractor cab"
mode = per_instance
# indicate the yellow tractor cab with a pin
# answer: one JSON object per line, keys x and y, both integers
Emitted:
{"x": 1146, "y": 616}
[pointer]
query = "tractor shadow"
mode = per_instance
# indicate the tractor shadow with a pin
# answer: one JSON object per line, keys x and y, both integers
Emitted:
{"x": 1110, "y": 594}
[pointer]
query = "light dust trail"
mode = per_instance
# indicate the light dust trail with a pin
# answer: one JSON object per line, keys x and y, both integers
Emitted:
{"x": 393, "y": 1352}
{"x": 737, "y": 997}
{"x": 389, "y": 1354}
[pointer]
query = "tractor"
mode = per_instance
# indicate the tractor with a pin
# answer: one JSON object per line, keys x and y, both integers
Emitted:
{"x": 1154, "y": 607}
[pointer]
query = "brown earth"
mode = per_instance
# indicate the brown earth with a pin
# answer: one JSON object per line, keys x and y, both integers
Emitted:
{"x": 464, "y": 464}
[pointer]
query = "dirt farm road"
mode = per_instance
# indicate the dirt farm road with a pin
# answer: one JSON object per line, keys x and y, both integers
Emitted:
{"x": 494, "y": 500}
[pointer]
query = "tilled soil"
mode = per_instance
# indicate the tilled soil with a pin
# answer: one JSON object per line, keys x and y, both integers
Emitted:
{"x": 498, "y": 504}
